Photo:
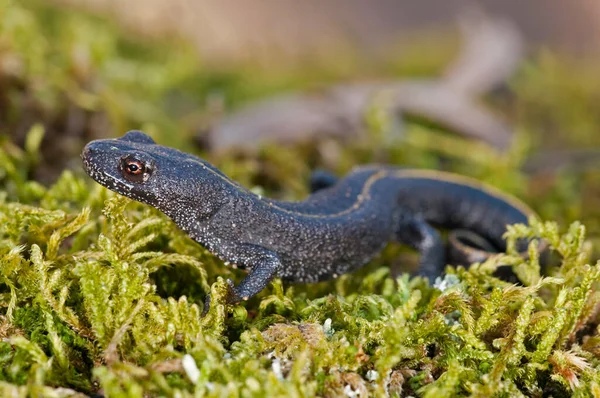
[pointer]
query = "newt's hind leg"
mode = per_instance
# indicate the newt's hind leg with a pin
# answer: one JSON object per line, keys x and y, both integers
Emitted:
{"x": 416, "y": 233}
{"x": 320, "y": 179}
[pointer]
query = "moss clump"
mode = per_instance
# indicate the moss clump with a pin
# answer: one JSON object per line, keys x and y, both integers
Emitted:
{"x": 90, "y": 302}
{"x": 81, "y": 313}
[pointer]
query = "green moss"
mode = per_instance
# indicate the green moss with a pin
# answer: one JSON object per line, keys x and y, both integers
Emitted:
{"x": 81, "y": 305}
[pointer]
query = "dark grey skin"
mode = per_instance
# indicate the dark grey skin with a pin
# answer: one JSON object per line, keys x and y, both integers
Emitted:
{"x": 337, "y": 229}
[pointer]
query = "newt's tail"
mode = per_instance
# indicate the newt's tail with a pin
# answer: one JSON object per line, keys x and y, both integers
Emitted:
{"x": 475, "y": 214}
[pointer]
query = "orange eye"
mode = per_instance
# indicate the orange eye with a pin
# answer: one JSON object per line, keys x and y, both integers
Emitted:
{"x": 134, "y": 167}
{"x": 134, "y": 170}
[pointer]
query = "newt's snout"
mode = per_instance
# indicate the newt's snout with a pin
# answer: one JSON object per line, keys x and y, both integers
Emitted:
{"x": 86, "y": 154}
{"x": 86, "y": 157}
{"x": 90, "y": 157}
{"x": 97, "y": 159}
{"x": 92, "y": 150}
{"x": 100, "y": 153}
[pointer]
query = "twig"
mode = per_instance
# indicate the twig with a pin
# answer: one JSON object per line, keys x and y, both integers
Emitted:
{"x": 492, "y": 51}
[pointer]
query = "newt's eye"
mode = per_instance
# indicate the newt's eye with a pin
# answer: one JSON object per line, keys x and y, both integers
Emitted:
{"x": 134, "y": 170}
{"x": 134, "y": 167}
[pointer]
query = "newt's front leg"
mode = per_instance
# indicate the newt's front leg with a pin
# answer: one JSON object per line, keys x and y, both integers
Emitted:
{"x": 262, "y": 265}
{"x": 261, "y": 271}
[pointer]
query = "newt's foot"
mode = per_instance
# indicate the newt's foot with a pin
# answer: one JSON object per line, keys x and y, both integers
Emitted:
{"x": 206, "y": 306}
{"x": 233, "y": 297}
{"x": 321, "y": 179}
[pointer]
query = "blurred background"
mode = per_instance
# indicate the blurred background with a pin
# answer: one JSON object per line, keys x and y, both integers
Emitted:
{"x": 505, "y": 91}
{"x": 229, "y": 31}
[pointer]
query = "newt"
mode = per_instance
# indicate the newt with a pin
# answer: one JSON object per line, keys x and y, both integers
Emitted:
{"x": 340, "y": 227}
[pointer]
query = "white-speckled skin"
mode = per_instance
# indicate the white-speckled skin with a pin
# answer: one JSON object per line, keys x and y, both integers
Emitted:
{"x": 334, "y": 231}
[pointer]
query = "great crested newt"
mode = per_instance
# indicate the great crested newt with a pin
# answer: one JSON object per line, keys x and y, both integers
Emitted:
{"x": 340, "y": 227}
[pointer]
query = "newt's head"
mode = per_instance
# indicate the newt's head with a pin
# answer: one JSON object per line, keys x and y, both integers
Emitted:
{"x": 165, "y": 178}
